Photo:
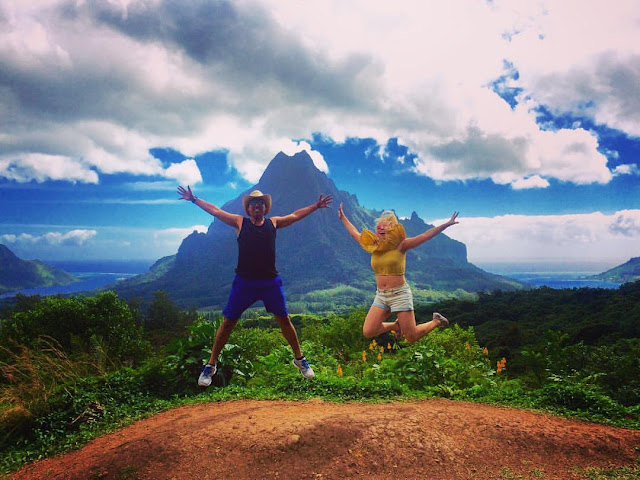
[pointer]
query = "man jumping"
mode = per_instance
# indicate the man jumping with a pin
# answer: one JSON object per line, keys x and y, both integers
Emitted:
{"x": 256, "y": 275}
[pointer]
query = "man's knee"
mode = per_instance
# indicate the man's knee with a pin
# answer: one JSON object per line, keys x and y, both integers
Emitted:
{"x": 228, "y": 324}
{"x": 283, "y": 320}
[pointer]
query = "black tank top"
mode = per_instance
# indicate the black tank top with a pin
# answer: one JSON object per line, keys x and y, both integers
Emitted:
{"x": 257, "y": 250}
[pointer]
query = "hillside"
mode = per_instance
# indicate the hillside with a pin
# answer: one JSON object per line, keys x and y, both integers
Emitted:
{"x": 315, "y": 254}
{"x": 434, "y": 439}
{"x": 17, "y": 274}
{"x": 627, "y": 272}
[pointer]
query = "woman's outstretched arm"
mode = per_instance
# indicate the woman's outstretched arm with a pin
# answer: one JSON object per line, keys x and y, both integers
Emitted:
{"x": 413, "y": 242}
{"x": 353, "y": 231}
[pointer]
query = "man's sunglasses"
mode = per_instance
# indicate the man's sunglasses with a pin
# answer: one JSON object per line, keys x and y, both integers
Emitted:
{"x": 256, "y": 202}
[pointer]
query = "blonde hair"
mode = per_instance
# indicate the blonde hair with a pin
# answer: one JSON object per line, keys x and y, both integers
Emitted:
{"x": 387, "y": 217}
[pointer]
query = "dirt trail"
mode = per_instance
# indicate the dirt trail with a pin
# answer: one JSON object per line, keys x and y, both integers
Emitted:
{"x": 431, "y": 439}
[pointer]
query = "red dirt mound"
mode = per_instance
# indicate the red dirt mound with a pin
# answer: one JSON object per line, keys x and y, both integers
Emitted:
{"x": 432, "y": 439}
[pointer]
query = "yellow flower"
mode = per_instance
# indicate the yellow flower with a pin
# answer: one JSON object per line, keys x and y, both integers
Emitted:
{"x": 381, "y": 349}
{"x": 485, "y": 351}
{"x": 467, "y": 346}
{"x": 501, "y": 365}
{"x": 339, "y": 370}
{"x": 379, "y": 357}
{"x": 364, "y": 356}
{"x": 388, "y": 346}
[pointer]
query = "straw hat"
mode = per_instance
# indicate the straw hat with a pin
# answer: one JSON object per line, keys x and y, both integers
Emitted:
{"x": 256, "y": 194}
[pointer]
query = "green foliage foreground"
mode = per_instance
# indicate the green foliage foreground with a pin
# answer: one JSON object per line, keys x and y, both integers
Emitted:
{"x": 89, "y": 376}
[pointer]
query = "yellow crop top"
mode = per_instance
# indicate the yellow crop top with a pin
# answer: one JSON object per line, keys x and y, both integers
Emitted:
{"x": 386, "y": 259}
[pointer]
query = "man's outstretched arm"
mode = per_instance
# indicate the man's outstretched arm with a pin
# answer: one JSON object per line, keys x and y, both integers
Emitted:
{"x": 281, "y": 222}
{"x": 230, "y": 219}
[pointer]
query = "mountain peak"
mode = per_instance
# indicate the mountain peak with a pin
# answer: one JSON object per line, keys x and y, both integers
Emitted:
{"x": 314, "y": 254}
{"x": 298, "y": 166}
{"x": 17, "y": 274}
{"x": 5, "y": 253}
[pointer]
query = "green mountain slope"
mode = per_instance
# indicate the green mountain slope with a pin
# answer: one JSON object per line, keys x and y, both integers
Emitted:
{"x": 17, "y": 274}
{"x": 313, "y": 254}
{"x": 627, "y": 272}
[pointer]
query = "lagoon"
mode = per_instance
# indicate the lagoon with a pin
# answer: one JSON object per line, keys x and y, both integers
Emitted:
{"x": 94, "y": 275}
{"x": 556, "y": 275}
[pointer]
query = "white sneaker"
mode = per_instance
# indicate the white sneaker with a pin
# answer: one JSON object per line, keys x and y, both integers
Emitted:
{"x": 441, "y": 318}
{"x": 208, "y": 371}
{"x": 303, "y": 366}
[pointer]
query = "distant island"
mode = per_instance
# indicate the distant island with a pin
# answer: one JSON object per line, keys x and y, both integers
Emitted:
{"x": 627, "y": 272}
{"x": 324, "y": 269}
{"x": 17, "y": 274}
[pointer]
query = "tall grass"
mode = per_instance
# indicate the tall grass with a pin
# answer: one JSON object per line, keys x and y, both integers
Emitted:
{"x": 30, "y": 377}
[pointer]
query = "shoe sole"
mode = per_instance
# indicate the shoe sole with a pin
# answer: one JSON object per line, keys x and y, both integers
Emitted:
{"x": 443, "y": 320}
{"x": 308, "y": 378}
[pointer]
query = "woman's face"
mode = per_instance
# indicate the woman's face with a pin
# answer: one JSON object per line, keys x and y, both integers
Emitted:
{"x": 381, "y": 229}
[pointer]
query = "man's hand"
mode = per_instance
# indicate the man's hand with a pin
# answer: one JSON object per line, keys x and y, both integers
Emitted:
{"x": 324, "y": 202}
{"x": 186, "y": 194}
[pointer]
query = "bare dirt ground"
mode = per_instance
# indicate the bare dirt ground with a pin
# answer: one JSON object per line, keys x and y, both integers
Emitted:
{"x": 431, "y": 439}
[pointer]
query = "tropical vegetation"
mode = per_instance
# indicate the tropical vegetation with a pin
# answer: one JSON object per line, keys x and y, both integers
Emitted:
{"x": 75, "y": 367}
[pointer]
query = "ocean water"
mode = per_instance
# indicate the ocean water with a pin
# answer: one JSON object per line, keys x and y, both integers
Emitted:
{"x": 554, "y": 275}
{"x": 92, "y": 275}
{"x": 561, "y": 280}
{"x": 97, "y": 274}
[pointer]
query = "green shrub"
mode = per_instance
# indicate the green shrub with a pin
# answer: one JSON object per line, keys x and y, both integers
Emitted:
{"x": 580, "y": 397}
{"x": 340, "y": 334}
{"x": 187, "y": 355}
{"x": 446, "y": 362}
{"x": 100, "y": 326}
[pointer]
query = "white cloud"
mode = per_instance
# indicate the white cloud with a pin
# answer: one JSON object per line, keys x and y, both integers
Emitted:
{"x": 95, "y": 85}
{"x": 626, "y": 223}
{"x": 583, "y": 58}
{"x": 42, "y": 167}
{"x": 169, "y": 239}
{"x": 580, "y": 237}
{"x": 627, "y": 169}
{"x": 291, "y": 148}
{"x": 532, "y": 182}
{"x": 71, "y": 238}
{"x": 186, "y": 172}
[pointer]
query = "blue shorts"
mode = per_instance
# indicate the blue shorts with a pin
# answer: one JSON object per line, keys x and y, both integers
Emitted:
{"x": 245, "y": 292}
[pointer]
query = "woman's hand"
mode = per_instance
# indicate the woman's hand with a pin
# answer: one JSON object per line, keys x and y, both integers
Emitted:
{"x": 452, "y": 220}
{"x": 340, "y": 212}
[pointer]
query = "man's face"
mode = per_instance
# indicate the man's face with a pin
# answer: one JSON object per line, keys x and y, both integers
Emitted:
{"x": 256, "y": 206}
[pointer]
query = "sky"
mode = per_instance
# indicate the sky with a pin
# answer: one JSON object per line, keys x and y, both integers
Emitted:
{"x": 524, "y": 116}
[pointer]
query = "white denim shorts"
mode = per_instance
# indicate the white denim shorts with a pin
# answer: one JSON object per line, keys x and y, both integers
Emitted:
{"x": 399, "y": 299}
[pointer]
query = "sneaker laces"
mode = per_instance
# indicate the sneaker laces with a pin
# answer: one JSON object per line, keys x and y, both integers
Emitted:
{"x": 304, "y": 363}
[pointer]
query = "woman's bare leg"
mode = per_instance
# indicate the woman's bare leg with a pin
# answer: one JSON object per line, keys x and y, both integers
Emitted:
{"x": 374, "y": 323}
{"x": 413, "y": 332}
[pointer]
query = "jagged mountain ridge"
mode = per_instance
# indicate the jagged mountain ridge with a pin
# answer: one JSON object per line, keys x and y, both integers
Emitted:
{"x": 313, "y": 254}
{"x": 18, "y": 274}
